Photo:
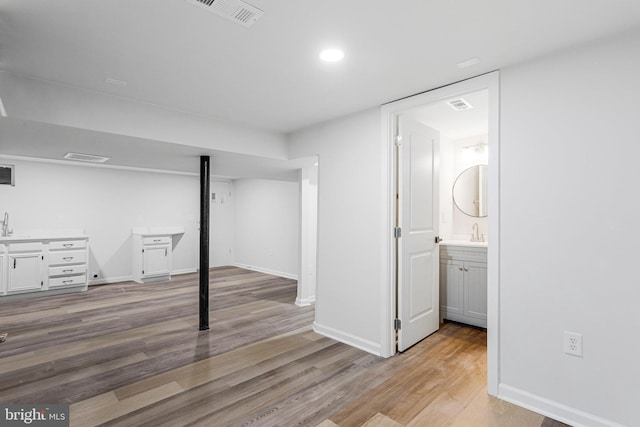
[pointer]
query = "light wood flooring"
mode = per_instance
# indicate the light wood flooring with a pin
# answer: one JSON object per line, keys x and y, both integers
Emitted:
{"x": 128, "y": 354}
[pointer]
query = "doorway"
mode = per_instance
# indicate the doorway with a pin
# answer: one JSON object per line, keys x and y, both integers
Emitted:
{"x": 487, "y": 84}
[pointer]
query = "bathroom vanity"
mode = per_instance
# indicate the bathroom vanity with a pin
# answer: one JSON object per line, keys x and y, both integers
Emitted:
{"x": 463, "y": 282}
{"x": 43, "y": 263}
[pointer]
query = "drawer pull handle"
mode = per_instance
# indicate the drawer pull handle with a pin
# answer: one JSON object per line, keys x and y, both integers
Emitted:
{"x": 157, "y": 240}
{"x": 67, "y": 258}
{"x": 68, "y": 271}
{"x": 460, "y": 268}
{"x": 68, "y": 245}
{"x": 66, "y": 282}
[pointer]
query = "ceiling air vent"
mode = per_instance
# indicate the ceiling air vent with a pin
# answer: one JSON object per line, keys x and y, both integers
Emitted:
{"x": 459, "y": 104}
{"x": 86, "y": 157}
{"x": 234, "y": 10}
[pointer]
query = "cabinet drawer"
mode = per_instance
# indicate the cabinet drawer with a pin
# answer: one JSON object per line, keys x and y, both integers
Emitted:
{"x": 66, "y": 270}
{"x": 67, "y": 257}
{"x": 161, "y": 240}
{"x": 67, "y": 281}
{"x": 68, "y": 244}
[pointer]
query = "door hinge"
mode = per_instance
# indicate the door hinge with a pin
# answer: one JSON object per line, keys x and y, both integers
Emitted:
{"x": 142, "y": 271}
{"x": 398, "y": 140}
{"x": 41, "y": 283}
{"x": 143, "y": 251}
{"x": 397, "y": 324}
{"x": 397, "y": 232}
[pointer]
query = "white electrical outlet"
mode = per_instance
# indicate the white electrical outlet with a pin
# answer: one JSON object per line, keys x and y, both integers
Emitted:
{"x": 573, "y": 343}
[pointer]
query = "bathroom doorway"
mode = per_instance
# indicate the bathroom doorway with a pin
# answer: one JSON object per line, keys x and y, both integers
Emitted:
{"x": 465, "y": 116}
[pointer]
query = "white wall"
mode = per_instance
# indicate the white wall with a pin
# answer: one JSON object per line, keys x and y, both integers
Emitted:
{"x": 308, "y": 235}
{"x": 221, "y": 224}
{"x": 569, "y": 232}
{"x": 267, "y": 226}
{"x": 106, "y": 203}
{"x": 349, "y": 224}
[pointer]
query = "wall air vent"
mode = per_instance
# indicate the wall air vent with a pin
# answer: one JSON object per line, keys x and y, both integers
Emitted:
{"x": 86, "y": 157}
{"x": 234, "y": 10}
{"x": 459, "y": 104}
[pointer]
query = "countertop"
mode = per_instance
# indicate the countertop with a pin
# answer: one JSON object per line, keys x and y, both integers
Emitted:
{"x": 42, "y": 235}
{"x": 468, "y": 243}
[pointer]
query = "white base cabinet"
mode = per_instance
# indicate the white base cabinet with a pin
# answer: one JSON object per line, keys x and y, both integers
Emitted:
{"x": 42, "y": 264}
{"x": 463, "y": 284}
{"x": 151, "y": 258}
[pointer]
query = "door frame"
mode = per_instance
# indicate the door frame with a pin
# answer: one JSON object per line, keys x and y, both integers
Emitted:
{"x": 389, "y": 112}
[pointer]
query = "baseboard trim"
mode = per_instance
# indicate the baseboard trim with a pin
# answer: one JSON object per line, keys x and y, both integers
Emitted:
{"x": 305, "y": 302}
{"x": 184, "y": 271}
{"x": 552, "y": 409}
{"x": 346, "y": 338}
{"x": 109, "y": 280}
{"x": 266, "y": 271}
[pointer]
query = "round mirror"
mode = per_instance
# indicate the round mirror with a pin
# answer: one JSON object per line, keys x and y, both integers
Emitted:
{"x": 470, "y": 191}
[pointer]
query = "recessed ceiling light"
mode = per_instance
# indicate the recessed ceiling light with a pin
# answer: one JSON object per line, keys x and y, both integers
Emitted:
{"x": 331, "y": 55}
{"x": 469, "y": 62}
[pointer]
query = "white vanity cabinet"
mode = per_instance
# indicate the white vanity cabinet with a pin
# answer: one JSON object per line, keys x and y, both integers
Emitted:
{"x": 463, "y": 284}
{"x": 151, "y": 258}
{"x": 24, "y": 269}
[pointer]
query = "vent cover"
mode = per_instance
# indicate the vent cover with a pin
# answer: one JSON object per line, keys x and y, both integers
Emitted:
{"x": 86, "y": 157}
{"x": 459, "y": 104}
{"x": 234, "y": 10}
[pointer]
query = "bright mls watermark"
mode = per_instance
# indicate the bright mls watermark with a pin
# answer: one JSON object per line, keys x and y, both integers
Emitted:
{"x": 34, "y": 415}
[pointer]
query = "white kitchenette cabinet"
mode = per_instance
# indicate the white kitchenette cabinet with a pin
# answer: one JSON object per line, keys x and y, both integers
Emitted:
{"x": 152, "y": 253}
{"x": 25, "y": 263}
{"x": 42, "y": 262}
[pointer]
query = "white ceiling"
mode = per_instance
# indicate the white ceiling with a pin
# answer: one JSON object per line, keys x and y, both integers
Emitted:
{"x": 457, "y": 124}
{"x": 269, "y": 76}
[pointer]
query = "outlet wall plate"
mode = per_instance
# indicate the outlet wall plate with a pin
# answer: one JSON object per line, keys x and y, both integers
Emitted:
{"x": 573, "y": 343}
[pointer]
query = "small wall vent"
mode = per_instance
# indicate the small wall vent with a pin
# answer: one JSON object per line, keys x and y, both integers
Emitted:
{"x": 86, "y": 157}
{"x": 234, "y": 10}
{"x": 459, "y": 104}
{"x": 7, "y": 175}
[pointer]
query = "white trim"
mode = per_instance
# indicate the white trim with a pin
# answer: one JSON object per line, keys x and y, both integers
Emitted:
{"x": 109, "y": 280}
{"x": 352, "y": 340}
{"x": 552, "y": 409}
{"x": 266, "y": 271}
{"x": 96, "y": 165}
{"x": 388, "y": 111}
{"x": 305, "y": 302}
{"x": 184, "y": 271}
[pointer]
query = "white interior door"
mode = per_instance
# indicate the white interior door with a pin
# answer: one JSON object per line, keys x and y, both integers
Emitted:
{"x": 418, "y": 253}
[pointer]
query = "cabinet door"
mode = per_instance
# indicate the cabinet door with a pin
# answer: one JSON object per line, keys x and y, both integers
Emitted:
{"x": 451, "y": 279}
{"x": 155, "y": 261}
{"x": 24, "y": 272}
{"x": 3, "y": 281}
{"x": 475, "y": 290}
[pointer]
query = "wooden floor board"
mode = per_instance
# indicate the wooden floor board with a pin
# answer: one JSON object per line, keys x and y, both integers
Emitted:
{"x": 130, "y": 354}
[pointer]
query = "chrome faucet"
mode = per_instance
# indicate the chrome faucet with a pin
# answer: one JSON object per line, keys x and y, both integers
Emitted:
{"x": 475, "y": 237}
{"x": 5, "y": 225}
